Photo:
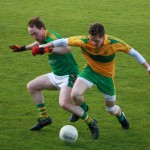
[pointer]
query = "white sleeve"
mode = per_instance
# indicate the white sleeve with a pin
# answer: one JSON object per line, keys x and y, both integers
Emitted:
{"x": 137, "y": 56}
{"x": 60, "y": 42}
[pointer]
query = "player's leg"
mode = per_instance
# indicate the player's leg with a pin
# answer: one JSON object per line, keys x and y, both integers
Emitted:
{"x": 80, "y": 86}
{"x": 106, "y": 86}
{"x": 113, "y": 109}
{"x": 65, "y": 83}
{"x": 79, "y": 99}
{"x": 66, "y": 103}
{"x": 35, "y": 88}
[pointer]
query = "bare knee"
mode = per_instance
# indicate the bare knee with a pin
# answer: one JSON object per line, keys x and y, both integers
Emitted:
{"x": 30, "y": 86}
{"x": 64, "y": 105}
{"x": 76, "y": 96}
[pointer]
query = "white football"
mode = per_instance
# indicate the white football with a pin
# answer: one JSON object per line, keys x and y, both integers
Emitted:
{"x": 68, "y": 134}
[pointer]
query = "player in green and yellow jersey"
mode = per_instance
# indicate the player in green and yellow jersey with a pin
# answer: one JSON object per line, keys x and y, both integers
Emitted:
{"x": 99, "y": 50}
{"x": 63, "y": 75}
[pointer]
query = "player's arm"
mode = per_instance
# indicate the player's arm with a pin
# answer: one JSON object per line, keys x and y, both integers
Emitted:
{"x": 61, "y": 50}
{"x": 139, "y": 58}
{"x": 57, "y": 43}
{"x": 60, "y": 46}
{"x": 71, "y": 41}
{"x": 30, "y": 46}
{"x": 18, "y": 48}
{"x": 57, "y": 46}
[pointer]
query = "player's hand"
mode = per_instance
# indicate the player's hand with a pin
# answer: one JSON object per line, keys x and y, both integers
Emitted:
{"x": 40, "y": 50}
{"x": 148, "y": 69}
{"x": 17, "y": 48}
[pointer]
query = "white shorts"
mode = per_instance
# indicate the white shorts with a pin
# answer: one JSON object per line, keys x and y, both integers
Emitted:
{"x": 59, "y": 81}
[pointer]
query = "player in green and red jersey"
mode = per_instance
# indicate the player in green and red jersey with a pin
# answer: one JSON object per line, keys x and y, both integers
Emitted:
{"x": 63, "y": 75}
{"x": 99, "y": 50}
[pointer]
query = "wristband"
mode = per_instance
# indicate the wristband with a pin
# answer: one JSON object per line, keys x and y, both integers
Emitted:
{"x": 23, "y": 48}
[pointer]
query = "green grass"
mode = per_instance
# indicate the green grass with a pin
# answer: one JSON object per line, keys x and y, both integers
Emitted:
{"x": 128, "y": 20}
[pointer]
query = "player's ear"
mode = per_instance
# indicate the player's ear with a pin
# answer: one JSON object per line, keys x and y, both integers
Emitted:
{"x": 43, "y": 29}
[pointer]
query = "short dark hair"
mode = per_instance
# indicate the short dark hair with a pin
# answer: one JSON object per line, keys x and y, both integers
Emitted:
{"x": 96, "y": 29}
{"x": 36, "y": 22}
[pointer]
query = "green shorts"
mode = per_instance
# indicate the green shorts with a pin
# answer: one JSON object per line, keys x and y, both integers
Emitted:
{"x": 104, "y": 84}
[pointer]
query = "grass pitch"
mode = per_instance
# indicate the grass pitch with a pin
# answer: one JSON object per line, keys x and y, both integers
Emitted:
{"x": 128, "y": 20}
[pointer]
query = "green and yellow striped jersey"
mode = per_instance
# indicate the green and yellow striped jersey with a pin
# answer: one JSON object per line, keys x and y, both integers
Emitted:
{"x": 101, "y": 60}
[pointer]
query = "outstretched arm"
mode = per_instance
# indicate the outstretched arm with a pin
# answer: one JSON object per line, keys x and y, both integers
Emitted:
{"x": 57, "y": 46}
{"x": 18, "y": 48}
{"x": 57, "y": 43}
{"x": 140, "y": 59}
{"x": 30, "y": 46}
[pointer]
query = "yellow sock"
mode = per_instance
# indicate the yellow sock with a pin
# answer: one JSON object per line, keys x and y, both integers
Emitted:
{"x": 42, "y": 111}
{"x": 88, "y": 120}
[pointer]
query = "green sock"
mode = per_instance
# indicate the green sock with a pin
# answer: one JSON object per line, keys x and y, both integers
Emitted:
{"x": 120, "y": 118}
{"x": 84, "y": 106}
{"x": 42, "y": 111}
{"x": 84, "y": 116}
{"x": 88, "y": 120}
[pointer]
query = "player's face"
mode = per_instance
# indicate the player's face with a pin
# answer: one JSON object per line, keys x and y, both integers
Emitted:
{"x": 96, "y": 40}
{"x": 37, "y": 34}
